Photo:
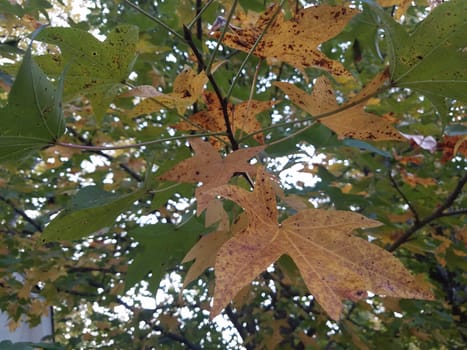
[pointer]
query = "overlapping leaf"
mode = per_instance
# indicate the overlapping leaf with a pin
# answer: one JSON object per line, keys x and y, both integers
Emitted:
{"x": 433, "y": 63}
{"x": 208, "y": 167}
{"x": 85, "y": 219}
{"x": 351, "y": 122}
{"x": 33, "y": 117}
{"x": 187, "y": 88}
{"x": 161, "y": 246}
{"x": 295, "y": 41}
{"x": 242, "y": 117}
{"x": 96, "y": 69}
{"x": 334, "y": 264}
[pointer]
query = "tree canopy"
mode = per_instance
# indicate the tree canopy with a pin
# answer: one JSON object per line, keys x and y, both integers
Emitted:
{"x": 234, "y": 174}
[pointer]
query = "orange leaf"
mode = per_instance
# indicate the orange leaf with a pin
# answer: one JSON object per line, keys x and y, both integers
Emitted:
{"x": 295, "y": 41}
{"x": 334, "y": 264}
{"x": 208, "y": 167}
{"x": 352, "y": 122}
{"x": 241, "y": 117}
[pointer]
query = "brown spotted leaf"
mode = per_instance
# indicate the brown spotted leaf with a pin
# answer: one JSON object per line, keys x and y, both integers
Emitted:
{"x": 187, "y": 88}
{"x": 207, "y": 166}
{"x": 295, "y": 41}
{"x": 334, "y": 264}
{"x": 351, "y": 122}
{"x": 242, "y": 117}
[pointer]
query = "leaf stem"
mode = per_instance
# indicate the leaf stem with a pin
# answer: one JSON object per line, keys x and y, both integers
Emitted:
{"x": 406, "y": 200}
{"x": 155, "y": 19}
{"x": 134, "y": 145}
{"x": 199, "y": 14}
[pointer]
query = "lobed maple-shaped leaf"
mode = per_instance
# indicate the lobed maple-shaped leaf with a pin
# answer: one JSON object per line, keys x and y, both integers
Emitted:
{"x": 295, "y": 41}
{"x": 96, "y": 69}
{"x": 241, "y": 117}
{"x": 334, "y": 264}
{"x": 187, "y": 88}
{"x": 208, "y": 167}
{"x": 351, "y": 122}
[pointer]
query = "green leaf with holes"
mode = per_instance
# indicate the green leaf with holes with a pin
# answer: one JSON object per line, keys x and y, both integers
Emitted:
{"x": 97, "y": 69}
{"x": 161, "y": 247}
{"x": 96, "y": 217}
{"x": 33, "y": 116}
{"x": 433, "y": 58}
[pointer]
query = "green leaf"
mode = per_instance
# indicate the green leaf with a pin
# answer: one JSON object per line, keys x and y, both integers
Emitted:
{"x": 162, "y": 246}
{"x": 433, "y": 59}
{"x": 33, "y": 117}
{"x": 97, "y": 68}
{"x": 71, "y": 225}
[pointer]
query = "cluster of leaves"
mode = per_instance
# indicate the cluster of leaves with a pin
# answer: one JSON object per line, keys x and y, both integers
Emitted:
{"x": 170, "y": 141}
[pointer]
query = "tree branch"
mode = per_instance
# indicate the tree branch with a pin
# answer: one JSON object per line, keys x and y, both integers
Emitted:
{"x": 406, "y": 200}
{"x": 22, "y": 213}
{"x": 438, "y": 213}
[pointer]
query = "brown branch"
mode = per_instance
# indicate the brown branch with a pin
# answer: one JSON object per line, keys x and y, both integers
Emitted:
{"x": 223, "y": 101}
{"x": 233, "y": 318}
{"x": 438, "y": 213}
{"x": 22, "y": 213}
{"x": 125, "y": 167}
{"x": 404, "y": 197}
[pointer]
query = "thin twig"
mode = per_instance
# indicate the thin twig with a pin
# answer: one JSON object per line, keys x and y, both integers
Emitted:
{"x": 223, "y": 101}
{"x": 22, "y": 213}
{"x": 134, "y": 145}
{"x": 155, "y": 19}
{"x": 404, "y": 197}
{"x": 439, "y": 212}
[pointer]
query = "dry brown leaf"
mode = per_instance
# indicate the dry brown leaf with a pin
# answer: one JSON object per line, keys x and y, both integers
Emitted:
{"x": 334, "y": 264}
{"x": 295, "y": 41}
{"x": 351, "y": 122}
{"x": 208, "y": 167}
{"x": 241, "y": 117}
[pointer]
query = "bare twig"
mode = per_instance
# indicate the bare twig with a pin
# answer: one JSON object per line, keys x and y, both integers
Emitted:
{"x": 404, "y": 197}
{"x": 22, "y": 213}
{"x": 438, "y": 213}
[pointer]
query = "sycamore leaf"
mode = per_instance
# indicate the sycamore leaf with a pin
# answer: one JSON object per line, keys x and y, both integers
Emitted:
{"x": 208, "y": 167}
{"x": 187, "y": 88}
{"x": 33, "y": 118}
{"x": 334, "y": 264}
{"x": 161, "y": 246}
{"x": 241, "y": 116}
{"x": 97, "y": 69}
{"x": 351, "y": 122}
{"x": 433, "y": 63}
{"x": 295, "y": 41}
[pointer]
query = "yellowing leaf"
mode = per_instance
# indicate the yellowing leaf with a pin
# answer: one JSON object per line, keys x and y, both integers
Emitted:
{"x": 402, "y": 6}
{"x": 295, "y": 41}
{"x": 187, "y": 88}
{"x": 208, "y": 167}
{"x": 204, "y": 253}
{"x": 351, "y": 122}
{"x": 334, "y": 264}
{"x": 241, "y": 117}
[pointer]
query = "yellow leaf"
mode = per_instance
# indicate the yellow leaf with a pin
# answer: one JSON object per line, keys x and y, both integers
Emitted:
{"x": 208, "y": 167}
{"x": 402, "y": 6}
{"x": 187, "y": 88}
{"x": 241, "y": 117}
{"x": 351, "y": 122}
{"x": 295, "y": 41}
{"x": 334, "y": 264}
